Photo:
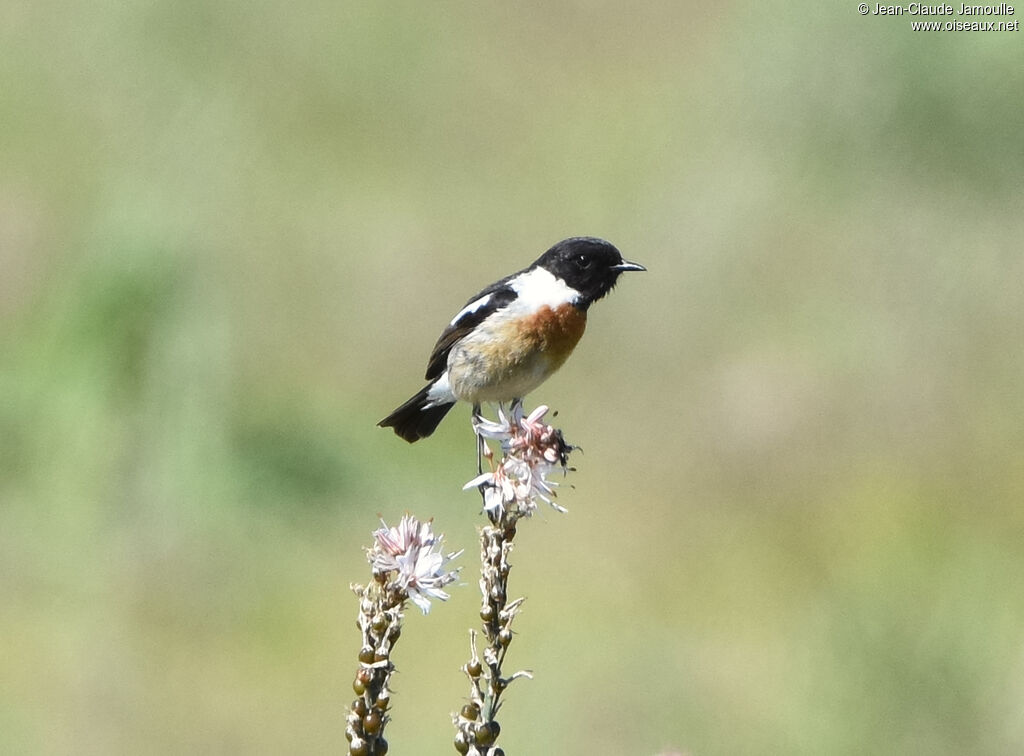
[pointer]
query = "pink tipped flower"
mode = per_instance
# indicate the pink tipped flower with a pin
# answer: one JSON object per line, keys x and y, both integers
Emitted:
{"x": 392, "y": 542}
{"x": 532, "y": 449}
{"x": 413, "y": 552}
{"x": 537, "y": 439}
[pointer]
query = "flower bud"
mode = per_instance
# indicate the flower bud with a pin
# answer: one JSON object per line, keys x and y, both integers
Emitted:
{"x": 372, "y": 723}
{"x": 484, "y": 735}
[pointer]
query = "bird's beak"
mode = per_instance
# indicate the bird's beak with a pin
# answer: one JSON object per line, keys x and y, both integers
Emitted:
{"x": 626, "y": 265}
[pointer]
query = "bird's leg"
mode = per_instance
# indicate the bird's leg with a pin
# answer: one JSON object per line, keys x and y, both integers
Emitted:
{"x": 479, "y": 440}
{"x": 517, "y": 405}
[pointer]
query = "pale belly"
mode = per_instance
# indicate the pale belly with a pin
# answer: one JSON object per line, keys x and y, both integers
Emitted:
{"x": 481, "y": 371}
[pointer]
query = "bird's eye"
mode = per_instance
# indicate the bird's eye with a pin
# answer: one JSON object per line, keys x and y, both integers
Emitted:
{"x": 583, "y": 262}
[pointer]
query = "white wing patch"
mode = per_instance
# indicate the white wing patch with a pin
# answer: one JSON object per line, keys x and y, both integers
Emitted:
{"x": 471, "y": 308}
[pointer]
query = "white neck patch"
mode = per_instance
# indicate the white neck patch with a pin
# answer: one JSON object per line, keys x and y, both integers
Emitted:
{"x": 539, "y": 287}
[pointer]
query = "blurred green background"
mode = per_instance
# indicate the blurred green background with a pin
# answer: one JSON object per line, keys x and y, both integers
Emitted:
{"x": 230, "y": 232}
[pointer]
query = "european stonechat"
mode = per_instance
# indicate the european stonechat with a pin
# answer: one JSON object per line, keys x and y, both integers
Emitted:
{"x": 515, "y": 333}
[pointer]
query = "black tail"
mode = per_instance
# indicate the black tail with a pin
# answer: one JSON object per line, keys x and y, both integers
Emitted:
{"x": 414, "y": 419}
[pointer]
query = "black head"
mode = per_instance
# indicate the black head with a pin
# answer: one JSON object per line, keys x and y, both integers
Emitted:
{"x": 589, "y": 265}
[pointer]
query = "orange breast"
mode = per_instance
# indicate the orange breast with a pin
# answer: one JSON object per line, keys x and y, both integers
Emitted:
{"x": 555, "y": 332}
{"x": 508, "y": 358}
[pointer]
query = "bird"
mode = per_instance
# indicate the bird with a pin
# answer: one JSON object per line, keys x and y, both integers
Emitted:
{"x": 513, "y": 335}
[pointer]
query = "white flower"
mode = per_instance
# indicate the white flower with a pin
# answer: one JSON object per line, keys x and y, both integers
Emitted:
{"x": 413, "y": 552}
{"x": 509, "y": 484}
{"x": 497, "y": 490}
{"x": 531, "y": 449}
{"x": 392, "y": 542}
{"x": 500, "y": 429}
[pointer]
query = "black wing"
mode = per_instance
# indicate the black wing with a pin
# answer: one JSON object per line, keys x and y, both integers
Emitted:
{"x": 488, "y": 301}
